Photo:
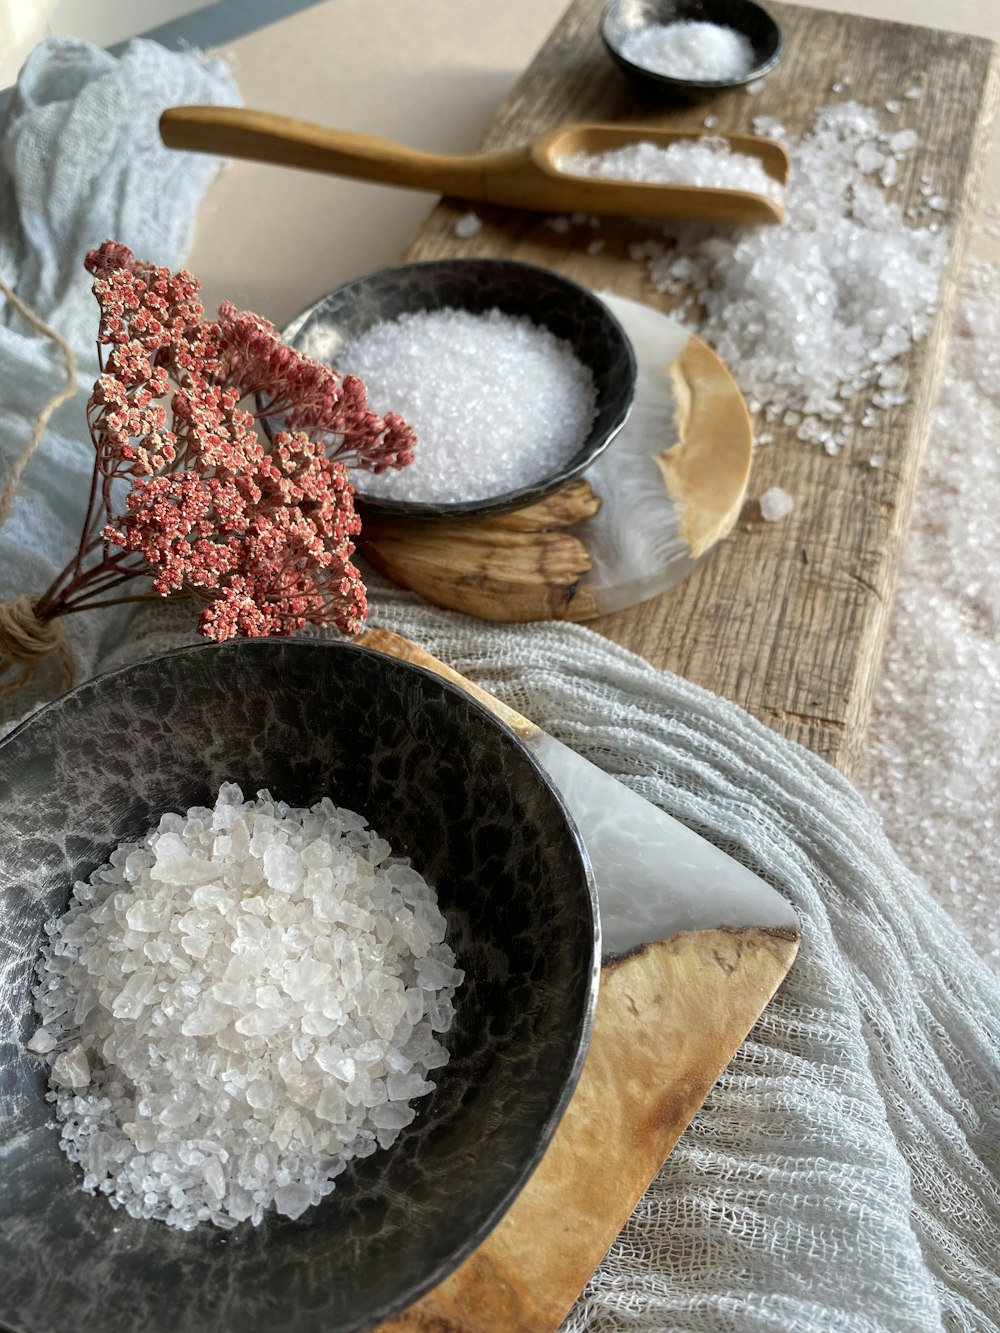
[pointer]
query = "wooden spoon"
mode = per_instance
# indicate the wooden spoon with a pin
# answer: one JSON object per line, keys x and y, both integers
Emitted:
{"x": 521, "y": 178}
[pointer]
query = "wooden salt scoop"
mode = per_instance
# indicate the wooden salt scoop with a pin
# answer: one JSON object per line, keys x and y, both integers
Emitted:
{"x": 521, "y": 178}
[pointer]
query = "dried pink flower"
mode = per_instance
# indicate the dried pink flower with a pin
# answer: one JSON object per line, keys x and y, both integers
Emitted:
{"x": 259, "y": 535}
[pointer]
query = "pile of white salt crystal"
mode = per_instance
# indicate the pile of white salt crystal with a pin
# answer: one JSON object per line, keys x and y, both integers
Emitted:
{"x": 690, "y": 49}
{"x": 497, "y": 401}
{"x": 810, "y": 314}
{"x": 239, "y": 1005}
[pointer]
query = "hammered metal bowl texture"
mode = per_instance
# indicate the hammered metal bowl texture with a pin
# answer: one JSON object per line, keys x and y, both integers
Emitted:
{"x": 448, "y": 785}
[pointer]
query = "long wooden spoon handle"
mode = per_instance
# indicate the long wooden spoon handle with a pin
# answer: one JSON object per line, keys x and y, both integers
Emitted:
{"x": 262, "y": 136}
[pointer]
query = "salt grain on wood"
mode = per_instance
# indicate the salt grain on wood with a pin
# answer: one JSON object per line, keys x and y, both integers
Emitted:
{"x": 690, "y": 50}
{"x": 247, "y": 999}
{"x": 775, "y": 504}
{"x": 497, "y": 402}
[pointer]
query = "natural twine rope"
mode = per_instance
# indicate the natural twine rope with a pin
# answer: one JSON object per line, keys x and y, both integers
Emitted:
{"x": 25, "y": 640}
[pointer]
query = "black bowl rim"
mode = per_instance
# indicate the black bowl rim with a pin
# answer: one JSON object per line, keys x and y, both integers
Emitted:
{"x": 581, "y": 1041}
{"x": 523, "y": 495}
{"x": 694, "y": 85}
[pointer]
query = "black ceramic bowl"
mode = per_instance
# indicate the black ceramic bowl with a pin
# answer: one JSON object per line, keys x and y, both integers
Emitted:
{"x": 477, "y": 285}
{"x": 623, "y": 17}
{"x": 448, "y": 785}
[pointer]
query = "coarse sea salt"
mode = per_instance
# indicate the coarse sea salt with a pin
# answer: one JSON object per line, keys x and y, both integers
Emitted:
{"x": 497, "y": 401}
{"x": 239, "y": 1005}
{"x": 690, "y": 49}
{"x": 708, "y": 160}
{"x": 810, "y": 314}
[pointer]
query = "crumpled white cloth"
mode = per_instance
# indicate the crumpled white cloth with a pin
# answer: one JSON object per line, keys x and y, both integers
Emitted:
{"x": 80, "y": 161}
{"x": 845, "y": 1172}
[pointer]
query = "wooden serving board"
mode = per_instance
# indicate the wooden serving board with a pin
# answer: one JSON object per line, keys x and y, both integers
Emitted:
{"x": 787, "y": 619}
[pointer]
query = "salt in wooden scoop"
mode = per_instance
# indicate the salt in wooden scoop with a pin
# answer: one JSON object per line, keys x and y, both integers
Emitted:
{"x": 521, "y": 178}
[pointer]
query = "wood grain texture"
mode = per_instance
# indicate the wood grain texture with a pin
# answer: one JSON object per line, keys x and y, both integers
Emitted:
{"x": 786, "y": 619}
{"x": 669, "y": 1019}
{"x": 519, "y": 566}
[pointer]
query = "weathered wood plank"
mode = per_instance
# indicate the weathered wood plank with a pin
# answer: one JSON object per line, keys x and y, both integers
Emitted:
{"x": 786, "y": 619}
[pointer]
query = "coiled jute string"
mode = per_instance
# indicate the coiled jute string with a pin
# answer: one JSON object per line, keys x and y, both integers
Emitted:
{"x": 26, "y": 641}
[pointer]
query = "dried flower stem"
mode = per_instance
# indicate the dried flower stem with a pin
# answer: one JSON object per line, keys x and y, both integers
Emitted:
{"x": 260, "y": 537}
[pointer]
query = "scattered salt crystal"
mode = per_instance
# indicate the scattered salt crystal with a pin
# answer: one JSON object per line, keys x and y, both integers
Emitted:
{"x": 595, "y": 247}
{"x": 41, "y": 1043}
{"x": 469, "y": 224}
{"x": 755, "y": 86}
{"x": 690, "y": 50}
{"x": 810, "y": 314}
{"x": 449, "y": 373}
{"x": 705, "y": 161}
{"x": 558, "y": 223}
{"x": 904, "y": 141}
{"x": 893, "y": 108}
{"x": 212, "y": 1093}
{"x": 775, "y": 504}
{"x": 710, "y": 122}
{"x": 876, "y": 461}
{"x": 912, "y": 94}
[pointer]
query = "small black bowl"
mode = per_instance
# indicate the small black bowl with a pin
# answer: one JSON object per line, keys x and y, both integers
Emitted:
{"x": 623, "y": 17}
{"x": 565, "y": 308}
{"x": 448, "y": 785}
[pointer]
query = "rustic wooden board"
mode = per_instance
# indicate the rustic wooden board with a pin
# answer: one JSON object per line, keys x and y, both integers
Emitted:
{"x": 786, "y": 619}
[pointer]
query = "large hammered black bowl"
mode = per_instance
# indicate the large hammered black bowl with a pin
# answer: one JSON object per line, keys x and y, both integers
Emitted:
{"x": 548, "y": 299}
{"x": 449, "y": 786}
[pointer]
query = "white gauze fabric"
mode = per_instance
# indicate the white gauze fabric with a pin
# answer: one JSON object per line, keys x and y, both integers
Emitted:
{"x": 81, "y": 161}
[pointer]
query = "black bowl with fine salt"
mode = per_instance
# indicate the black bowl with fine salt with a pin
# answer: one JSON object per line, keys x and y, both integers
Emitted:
{"x": 690, "y": 49}
{"x": 449, "y": 787}
{"x": 514, "y": 377}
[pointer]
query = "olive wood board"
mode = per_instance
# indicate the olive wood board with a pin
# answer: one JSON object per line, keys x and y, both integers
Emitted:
{"x": 668, "y": 487}
{"x": 670, "y": 1016}
{"x": 786, "y": 619}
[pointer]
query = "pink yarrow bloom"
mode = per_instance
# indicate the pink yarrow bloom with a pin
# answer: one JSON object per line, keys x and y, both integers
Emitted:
{"x": 259, "y": 533}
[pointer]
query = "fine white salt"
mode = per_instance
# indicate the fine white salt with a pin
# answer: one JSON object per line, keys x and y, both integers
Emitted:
{"x": 497, "y": 402}
{"x": 706, "y": 161}
{"x": 691, "y": 50}
{"x": 244, "y": 1001}
{"x": 812, "y": 313}
{"x": 775, "y": 504}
